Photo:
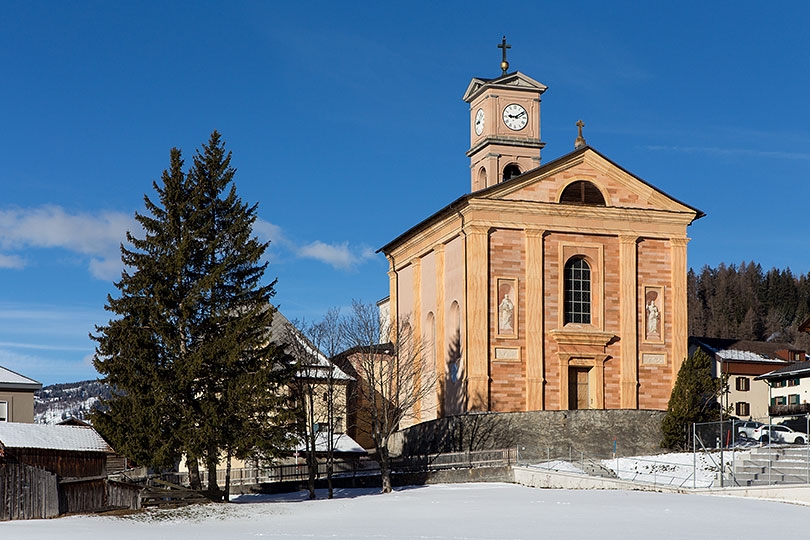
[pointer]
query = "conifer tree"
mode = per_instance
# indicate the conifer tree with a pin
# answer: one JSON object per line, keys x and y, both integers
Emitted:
{"x": 693, "y": 399}
{"x": 187, "y": 351}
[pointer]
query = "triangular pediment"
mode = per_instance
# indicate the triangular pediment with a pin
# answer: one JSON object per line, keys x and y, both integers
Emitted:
{"x": 620, "y": 188}
{"x": 514, "y": 80}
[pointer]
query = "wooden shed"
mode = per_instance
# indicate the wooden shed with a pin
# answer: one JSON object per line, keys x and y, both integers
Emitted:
{"x": 76, "y": 455}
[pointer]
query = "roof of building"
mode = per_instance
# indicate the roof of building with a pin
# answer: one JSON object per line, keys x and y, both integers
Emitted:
{"x": 799, "y": 368}
{"x": 740, "y": 350}
{"x": 281, "y": 331}
{"x": 342, "y": 444}
{"x": 11, "y": 380}
{"x": 458, "y": 203}
{"x": 51, "y": 437}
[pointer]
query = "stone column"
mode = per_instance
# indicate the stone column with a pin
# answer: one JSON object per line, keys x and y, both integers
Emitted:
{"x": 535, "y": 360}
{"x": 392, "y": 302}
{"x": 680, "y": 321}
{"x": 477, "y": 307}
{"x": 628, "y": 292}
{"x": 439, "y": 338}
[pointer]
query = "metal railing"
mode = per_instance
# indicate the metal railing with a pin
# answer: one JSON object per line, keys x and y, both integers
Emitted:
{"x": 343, "y": 468}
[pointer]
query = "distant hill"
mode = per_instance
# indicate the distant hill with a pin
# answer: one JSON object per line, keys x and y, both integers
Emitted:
{"x": 59, "y": 402}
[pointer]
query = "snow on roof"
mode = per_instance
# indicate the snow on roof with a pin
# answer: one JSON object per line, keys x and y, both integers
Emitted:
{"x": 13, "y": 379}
{"x": 71, "y": 438}
{"x": 341, "y": 441}
{"x": 747, "y": 356}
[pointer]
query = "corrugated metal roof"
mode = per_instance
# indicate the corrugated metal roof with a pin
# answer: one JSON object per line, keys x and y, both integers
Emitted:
{"x": 747, "y": 356}
{"x": 49, "y": 437}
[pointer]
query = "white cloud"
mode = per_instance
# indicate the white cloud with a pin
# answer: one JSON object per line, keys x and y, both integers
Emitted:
{"x": 11, "y": 261}
{"x": 97, "y": 235}
{"x": 337, "y": 255}
{"x": 268, "y": 231}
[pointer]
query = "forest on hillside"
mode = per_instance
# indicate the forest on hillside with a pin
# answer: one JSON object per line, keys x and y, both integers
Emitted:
{"x": 744, "y": 302}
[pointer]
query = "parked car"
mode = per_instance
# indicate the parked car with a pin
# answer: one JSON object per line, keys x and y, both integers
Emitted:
{"x": 765, "y": 433}
{"x": 745, "y": 428}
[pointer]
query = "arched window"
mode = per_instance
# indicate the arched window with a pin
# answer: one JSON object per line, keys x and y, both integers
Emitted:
{"x": 482, "y": 179}
{"x": 582, "y": 192}
{"x": 577, "y": 291}
{"x": 510, "y": 171}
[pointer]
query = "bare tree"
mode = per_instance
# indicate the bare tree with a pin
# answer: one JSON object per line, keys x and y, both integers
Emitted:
{"x": 317, "y": 387}
{"x": 392, "y": 381}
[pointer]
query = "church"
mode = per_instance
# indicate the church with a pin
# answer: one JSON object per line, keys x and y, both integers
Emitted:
{"x": 549, "y": 286}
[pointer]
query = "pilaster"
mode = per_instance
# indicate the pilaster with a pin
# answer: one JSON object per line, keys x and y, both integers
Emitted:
{"x": 477, "y": 308}
{"x": 393, "y": 304}
{"x": 417, "y": 343}
{"x": 535, "y": 360}
{"x": 441, "y": 359}
{"x": 680, "y": 324}
{"x": 628, "y": 292}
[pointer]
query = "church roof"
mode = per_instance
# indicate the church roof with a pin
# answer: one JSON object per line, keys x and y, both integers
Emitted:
{"x": 461, "y": 201}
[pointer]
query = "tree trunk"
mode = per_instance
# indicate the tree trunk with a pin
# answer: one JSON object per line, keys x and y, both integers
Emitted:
{"x": 227, "y": 495}
{"x": 213, "y": 488}
{"x": 194, "y": 473}
{"x": 385, "y": 469}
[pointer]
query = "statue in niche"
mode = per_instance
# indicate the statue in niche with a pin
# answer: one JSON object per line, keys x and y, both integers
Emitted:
{"x": 653, "y": 318}
{"x": 506, "y": 311}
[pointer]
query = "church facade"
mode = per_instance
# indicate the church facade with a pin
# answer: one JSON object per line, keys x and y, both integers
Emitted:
{"x": 549, "y": 286}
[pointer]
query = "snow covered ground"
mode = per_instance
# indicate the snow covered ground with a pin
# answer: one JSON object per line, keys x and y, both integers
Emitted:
{"x": 457, "y": 512}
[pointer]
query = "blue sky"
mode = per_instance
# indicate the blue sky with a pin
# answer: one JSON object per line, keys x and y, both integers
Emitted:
{"x": 347, "y": 127}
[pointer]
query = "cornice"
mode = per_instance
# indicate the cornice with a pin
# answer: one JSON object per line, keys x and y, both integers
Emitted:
{"x": 514, "y": 206}
{"x": 505, "y": 141}
{"x": 586, "y": 337}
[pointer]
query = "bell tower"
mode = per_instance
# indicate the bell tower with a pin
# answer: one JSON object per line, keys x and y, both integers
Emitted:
{"x": 504, "y": 125}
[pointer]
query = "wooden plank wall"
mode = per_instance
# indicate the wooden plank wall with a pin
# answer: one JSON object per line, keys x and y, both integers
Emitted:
{"x": 27, "y": 492}
{"x": 82, "y": 496}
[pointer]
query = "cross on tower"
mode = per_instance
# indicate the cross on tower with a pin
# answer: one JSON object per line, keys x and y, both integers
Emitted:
{"x": 580, "y": 139}
{"x": 503, "y": 46}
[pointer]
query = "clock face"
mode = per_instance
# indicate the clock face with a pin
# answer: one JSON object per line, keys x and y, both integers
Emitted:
{"x": 479, "y": 122}
{"x": 515, "y": 117}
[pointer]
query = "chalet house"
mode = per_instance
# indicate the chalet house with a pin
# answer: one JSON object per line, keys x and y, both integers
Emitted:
{"x": 789, "y": 389}
{"x": 17, "y": 397}
{"x": 743, "y": 362}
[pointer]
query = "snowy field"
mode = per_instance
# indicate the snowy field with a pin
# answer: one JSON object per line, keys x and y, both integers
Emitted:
{"x": 450, "y": 511}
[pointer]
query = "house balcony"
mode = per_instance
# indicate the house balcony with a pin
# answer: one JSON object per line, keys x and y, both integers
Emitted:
{"x": 789, "y": 410}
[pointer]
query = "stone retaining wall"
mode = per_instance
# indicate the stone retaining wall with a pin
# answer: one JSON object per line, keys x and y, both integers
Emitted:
{"x": 637, "y": 432}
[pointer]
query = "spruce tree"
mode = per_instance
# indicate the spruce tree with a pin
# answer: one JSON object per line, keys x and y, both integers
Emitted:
{"x": 693, "y": 399}
{"x": 187, "y": 351}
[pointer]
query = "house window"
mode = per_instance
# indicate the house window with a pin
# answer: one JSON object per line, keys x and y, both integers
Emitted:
{"x": 793, "y": 399}
{"x": 793, "y": 382}
{"x": 743, "y": 384}
{"x": 577, "y": 291}
{"x": 742, "y": 408}
{"x": 4, "y": 411}
{"x": 779, "y": 400}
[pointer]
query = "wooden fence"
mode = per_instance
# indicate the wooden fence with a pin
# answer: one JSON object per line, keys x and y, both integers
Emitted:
{"x": 27, "y": 492}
